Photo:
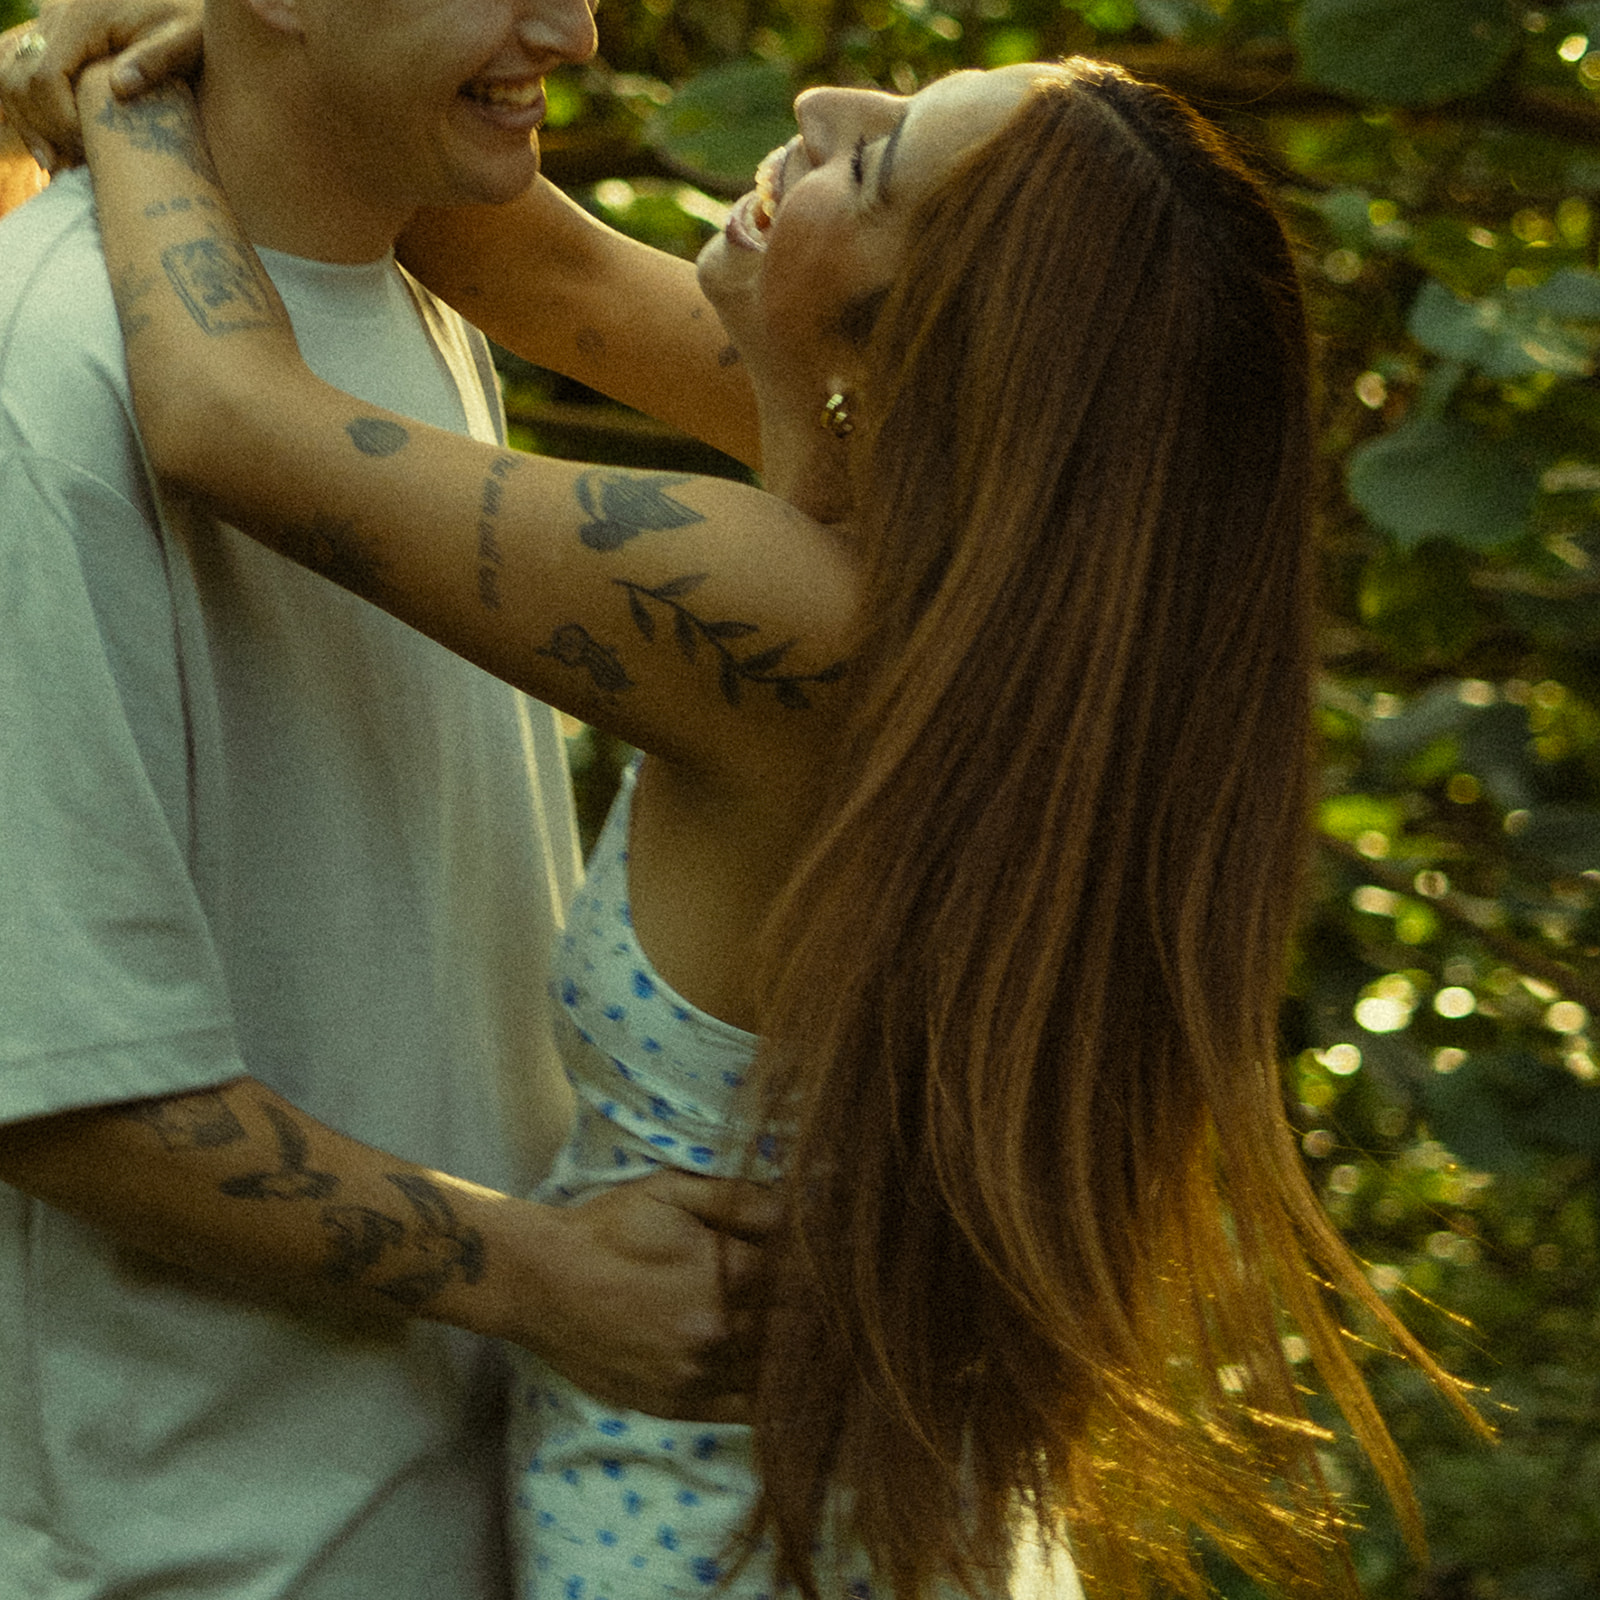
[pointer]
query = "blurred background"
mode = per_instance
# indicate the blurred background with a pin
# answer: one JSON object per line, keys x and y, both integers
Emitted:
{"x": 1438, "y": 162}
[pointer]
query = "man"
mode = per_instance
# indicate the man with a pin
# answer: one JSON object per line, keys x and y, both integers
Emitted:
{"x": 279, "y": 876}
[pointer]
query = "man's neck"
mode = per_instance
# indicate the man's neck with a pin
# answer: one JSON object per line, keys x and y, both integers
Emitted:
{"x": 288, "y": 194}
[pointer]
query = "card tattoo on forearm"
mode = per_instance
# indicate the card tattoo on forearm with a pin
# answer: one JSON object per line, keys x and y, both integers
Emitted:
{"x": 221, "y": 286}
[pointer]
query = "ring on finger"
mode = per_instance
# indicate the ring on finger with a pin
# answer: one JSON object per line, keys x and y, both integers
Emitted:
{"x": 31, "y": 44}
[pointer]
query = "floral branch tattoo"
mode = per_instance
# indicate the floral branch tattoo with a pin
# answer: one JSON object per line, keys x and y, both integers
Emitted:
{"x": 733, "y": 671}
{"x": 622, "y": 505}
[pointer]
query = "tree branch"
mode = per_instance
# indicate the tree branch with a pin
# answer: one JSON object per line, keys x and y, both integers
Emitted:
{"x": 1580, "y": 985}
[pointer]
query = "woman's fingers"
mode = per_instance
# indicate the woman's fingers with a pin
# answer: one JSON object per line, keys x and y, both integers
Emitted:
{"x": 39, "y": 60}
{"x": 35, "y": 93}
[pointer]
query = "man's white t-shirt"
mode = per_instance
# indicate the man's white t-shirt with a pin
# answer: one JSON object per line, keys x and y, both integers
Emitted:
{"x": 248, "y": 824}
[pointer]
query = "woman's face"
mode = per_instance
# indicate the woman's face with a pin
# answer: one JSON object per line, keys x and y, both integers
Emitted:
{"x": 827, "y": 221}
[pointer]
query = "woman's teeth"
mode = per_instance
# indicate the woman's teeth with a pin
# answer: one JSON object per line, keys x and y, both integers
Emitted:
{"x": 768, "y": 187}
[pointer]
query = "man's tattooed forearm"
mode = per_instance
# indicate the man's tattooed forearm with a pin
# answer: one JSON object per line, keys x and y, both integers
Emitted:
{"x": 179, "y": 203}
{"x": 574, "y": 646}
{"x": 293, "y": 1179}
{"x": 622, "y": 505}
{"x": 221, "y": 284}
{"x": 733, "y": 671}
{"x": 409, "y": 1261}
{"x": 491, "y": 558}
{"x": 377, "y": 436}
{"x": 188, "y": 1122}
{"x": 129, "y": 287}
{"x": 337, "y": 551}
{"x": 163, "y": 125}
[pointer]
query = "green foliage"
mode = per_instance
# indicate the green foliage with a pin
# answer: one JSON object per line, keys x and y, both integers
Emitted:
{"x": 15, "y": 11}
{"x": 720, "y": 124}
{"x": 1414, "y": 53}
{"x": 1439, "y": 161}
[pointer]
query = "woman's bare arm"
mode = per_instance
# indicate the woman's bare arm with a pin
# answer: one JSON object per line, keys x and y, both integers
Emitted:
{"x": 695, "y": 617}
{"x": 552, "y": 283}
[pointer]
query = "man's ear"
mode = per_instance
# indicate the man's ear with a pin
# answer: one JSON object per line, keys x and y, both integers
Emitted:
{"x": 282, "y": 16}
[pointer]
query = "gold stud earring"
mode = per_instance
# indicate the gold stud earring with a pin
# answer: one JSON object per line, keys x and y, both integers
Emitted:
{"x": 836, "y": 416}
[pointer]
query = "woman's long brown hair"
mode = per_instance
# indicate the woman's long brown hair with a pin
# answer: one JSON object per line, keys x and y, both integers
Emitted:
{"x": 1049, "y": 1228}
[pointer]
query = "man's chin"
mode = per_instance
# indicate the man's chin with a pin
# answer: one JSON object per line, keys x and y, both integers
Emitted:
{"x": 496, "y": 187}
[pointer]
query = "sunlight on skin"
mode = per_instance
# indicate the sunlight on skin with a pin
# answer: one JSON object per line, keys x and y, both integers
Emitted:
{"x": 1037, "y": 1577}
{"x": 20, "y": 179}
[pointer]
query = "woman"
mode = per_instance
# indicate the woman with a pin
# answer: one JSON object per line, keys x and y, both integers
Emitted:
{"x": 977, "y": 786}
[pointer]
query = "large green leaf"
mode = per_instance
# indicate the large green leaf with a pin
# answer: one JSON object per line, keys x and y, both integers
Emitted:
{"x": 1572, "y": 294}
{"x": 1174, "y": 18}
{"x": 1505, "y": 336}
{"x": 719, "y": 125}
{"x": 1409, "y": 52}
{"x": 1436, "y": 477}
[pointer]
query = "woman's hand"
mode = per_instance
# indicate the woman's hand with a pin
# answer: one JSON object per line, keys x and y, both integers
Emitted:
{"x": 153, "y": 40}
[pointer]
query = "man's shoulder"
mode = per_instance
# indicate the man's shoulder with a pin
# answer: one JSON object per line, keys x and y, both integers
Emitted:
{"x": 62, "y": 373}
{"x": 50, "y": 253}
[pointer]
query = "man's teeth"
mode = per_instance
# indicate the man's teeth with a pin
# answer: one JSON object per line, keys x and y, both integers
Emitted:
{"x": 504, "y": 94}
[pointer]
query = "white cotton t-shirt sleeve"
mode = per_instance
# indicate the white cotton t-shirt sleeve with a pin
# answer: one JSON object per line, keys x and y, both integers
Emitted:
{"x": 250, "y": 825}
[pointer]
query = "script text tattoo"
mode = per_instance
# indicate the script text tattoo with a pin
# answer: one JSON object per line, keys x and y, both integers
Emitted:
{"x": 491, "y": 558}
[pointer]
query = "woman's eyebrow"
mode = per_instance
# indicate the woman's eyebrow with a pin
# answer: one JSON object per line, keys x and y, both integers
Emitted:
{"x": 886, "y": 161}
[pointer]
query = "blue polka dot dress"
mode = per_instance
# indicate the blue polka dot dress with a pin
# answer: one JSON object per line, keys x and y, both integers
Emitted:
{"x": 617, "y": 1505}
{"x": 608, "y": 1504}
